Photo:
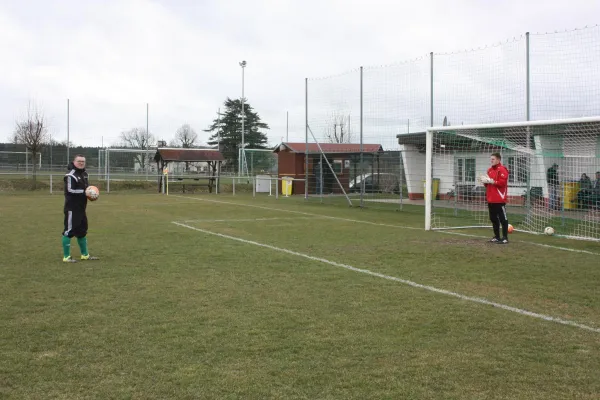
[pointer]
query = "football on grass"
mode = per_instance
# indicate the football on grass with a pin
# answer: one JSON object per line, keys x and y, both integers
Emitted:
{"x": 510, "y": 228}
{"x": 92, "y": 193}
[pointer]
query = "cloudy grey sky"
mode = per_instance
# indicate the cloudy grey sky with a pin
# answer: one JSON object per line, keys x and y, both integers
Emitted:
{"x": 110, "y": 58}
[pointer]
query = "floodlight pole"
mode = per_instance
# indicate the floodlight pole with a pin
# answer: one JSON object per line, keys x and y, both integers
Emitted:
{"x": 362, "y": 183}
{"x": 219, "y": 129}
{"x": 527, "y": 81}
{"x": 528, "y": 117}
{"x": 68, "y": 134}
{"x": 431, "y": 89}
{"x": 145, "y": 156}
{"x": 243, "y": 65}
{"x": 306, "y": 139}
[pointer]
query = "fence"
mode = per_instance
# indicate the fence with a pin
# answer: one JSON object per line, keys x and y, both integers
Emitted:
{"x": 382, "y": 114}
{"x": 531, "y": 77}
{"x": 117, "y": 169}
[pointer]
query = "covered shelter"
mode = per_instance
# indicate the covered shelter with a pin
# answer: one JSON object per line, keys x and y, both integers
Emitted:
{"x": 343, "y": 157}
{"x": 167, "y": 158}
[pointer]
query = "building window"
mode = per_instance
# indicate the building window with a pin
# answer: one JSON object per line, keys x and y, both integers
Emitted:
{"x": 337, "y": 167}
{"x": 465, "y": 170}
{"x": 518, "y": 171}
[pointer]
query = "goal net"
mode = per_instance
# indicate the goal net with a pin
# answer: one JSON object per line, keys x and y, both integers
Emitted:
{"x": 19, "y": 161}
{"x": 258, "y": 162}
{"x": 554, "y": 175}
{"x": 127, "y": 165}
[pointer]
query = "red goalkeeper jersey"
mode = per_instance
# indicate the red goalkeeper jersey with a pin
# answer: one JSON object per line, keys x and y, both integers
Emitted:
{"x": 498, "y": 191}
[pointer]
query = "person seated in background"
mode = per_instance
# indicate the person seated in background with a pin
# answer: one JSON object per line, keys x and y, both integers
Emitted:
{"x": 596, "y": 185}
{"x": 585, "y": 187}
{"x": 595, "y": 196}
{"x": 588, "y": 192}
{"x": 585, "y": 183}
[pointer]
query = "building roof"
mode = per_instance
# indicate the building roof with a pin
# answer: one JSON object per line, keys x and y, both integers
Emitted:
{"x": 189, "y": 155}
{"x": 328, "y": 147}
{"x": 412, "y": 138}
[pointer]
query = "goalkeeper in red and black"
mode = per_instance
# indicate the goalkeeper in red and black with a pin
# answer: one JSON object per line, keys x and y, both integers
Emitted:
{"x": 496, "y": 185}
{"x": 76, "y": 223}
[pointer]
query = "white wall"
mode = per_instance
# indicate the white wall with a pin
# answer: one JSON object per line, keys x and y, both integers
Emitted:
{"x": 443, "y": 169}
{"x": 574, "y": 155}
{"x": 414, "y": 167}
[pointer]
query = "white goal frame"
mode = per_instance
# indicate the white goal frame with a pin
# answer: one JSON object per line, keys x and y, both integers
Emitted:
{"x": 430, "y": 151}
{"x": 27, "y": 153}
{"x": 109, "y": 150}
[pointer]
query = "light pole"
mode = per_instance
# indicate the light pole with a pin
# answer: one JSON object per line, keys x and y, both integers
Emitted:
{"x": 243, "y": 161}
{"x": 68, "y": 135}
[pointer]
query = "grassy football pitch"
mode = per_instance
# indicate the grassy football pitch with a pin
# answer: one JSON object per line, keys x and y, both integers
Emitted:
{"x": 222, "y": 297}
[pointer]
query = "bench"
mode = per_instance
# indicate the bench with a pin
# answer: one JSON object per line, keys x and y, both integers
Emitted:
{"x": 209, "y": 182}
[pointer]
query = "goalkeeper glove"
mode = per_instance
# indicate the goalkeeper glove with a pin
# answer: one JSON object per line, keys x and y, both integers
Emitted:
{"x": 486, "y": 179}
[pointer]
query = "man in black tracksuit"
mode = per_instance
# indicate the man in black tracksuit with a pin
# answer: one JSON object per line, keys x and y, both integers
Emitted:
{"x": 76, "y": 224}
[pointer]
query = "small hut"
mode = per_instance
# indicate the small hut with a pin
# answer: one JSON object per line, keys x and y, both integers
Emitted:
{"x": 206, "y": 160}
{"x": 344, "y": 158}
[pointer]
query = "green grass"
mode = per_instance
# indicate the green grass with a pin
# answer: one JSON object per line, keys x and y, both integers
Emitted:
{"x": 171, "y": 312}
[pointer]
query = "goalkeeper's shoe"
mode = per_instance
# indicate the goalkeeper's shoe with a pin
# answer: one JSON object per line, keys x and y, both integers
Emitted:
{"x": 69, "y": 260}
{"x": 88, "y": 258}
{"x": 495, "y": 240}
{"x": 503, "y": 241}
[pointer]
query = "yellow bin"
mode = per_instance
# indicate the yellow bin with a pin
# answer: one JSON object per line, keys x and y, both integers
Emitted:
{"x": 570, "y": 190}
{"x": 286, "y": 186}
{"x": 435, "y": 187}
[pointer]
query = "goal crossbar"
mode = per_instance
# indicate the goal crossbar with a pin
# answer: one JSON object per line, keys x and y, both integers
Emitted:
{"x": 563, "y": 121}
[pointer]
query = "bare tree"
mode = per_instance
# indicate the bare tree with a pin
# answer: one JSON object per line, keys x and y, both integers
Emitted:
{"x": 138, "y": 138}
{"x": 32, "y": 131}
{"x": 338, "y": 129}
{"x": 186, "y": 136}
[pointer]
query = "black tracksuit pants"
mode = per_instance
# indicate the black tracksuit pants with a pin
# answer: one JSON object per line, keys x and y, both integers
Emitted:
{"x": 498, "y": 218}
{"x": 76, "y": 223}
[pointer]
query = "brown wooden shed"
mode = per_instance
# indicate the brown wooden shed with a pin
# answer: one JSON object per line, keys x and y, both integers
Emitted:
{"x": 344, "y": 157}
{"x": 212, "y": 157}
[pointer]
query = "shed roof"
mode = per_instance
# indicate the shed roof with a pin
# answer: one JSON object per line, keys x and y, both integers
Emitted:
{"x": 412, "y": 138}
{"x": 189, "y": 155}
{"x": 328, "y": 148}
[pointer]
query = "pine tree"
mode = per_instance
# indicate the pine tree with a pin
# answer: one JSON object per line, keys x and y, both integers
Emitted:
{"x": 227, "y": 130}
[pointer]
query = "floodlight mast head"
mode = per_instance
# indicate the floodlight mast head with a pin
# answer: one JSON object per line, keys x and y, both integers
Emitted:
{"x": 243, "y": 64}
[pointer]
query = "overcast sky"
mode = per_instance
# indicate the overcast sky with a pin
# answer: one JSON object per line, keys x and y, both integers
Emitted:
{"x": 110, "y": 58}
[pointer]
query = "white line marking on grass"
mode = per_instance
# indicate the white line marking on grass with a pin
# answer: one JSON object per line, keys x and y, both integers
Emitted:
{"x": 404, "y": 281}
{"x": 548, "y": 246}
{"x": 521, "y": 241}
{"x": 304, "y": 213}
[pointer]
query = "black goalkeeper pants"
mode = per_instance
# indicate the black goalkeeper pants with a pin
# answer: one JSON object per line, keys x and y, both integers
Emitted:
{"x": 498, "y": 218}
{"x": 76, "y": 223}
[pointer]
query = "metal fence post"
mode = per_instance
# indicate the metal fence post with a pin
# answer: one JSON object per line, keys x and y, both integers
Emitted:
{"x": 305, "y": 139}
{"x": 362, "y": 182}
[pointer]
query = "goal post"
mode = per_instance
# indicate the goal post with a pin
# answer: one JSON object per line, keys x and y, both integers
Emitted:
{"x": 554, "y": 175}
{"x": 127, "y": 164}
{"x": 428, "y": 177}
{"x": 17, "y": 159}
{"x": 258, "y": 162}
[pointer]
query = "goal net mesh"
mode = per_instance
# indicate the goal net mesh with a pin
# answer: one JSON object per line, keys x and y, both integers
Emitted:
{"x": 554, "y": 178}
